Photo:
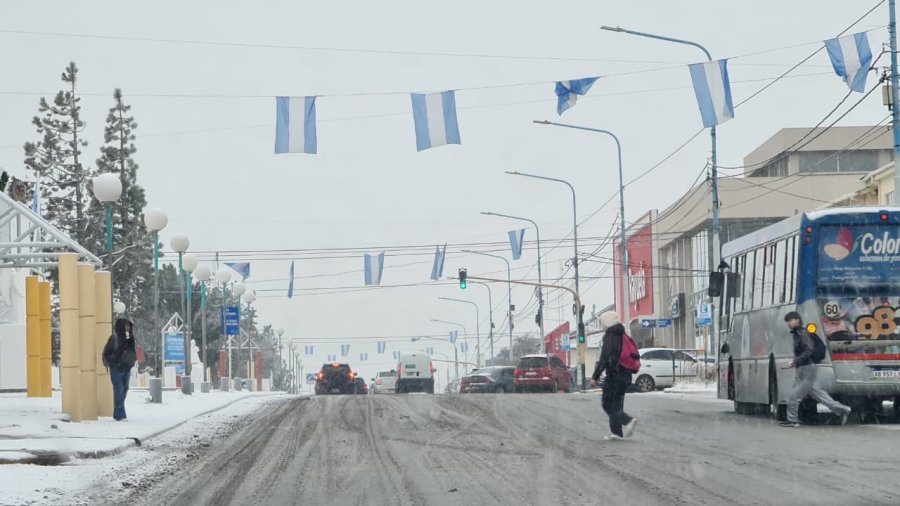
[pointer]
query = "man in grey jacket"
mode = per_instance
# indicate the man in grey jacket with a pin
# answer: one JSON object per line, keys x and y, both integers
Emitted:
{"x": 805, "y": 379}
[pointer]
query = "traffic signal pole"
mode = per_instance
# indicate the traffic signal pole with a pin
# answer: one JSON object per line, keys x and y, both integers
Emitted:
{"x": 582, "y": 344}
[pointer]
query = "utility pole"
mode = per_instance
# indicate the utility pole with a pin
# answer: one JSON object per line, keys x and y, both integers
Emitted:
{"x": 895, "y": 111}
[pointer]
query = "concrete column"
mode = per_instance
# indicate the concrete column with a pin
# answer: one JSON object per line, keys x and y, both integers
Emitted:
{"x": 87, "y": 329}
{"x": 103, "y": 319}
{"x": 46, "y": 344}
{"x": 69, "y": 347}
{"x": 33, "y": 336}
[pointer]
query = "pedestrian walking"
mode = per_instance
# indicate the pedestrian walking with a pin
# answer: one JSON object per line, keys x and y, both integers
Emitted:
{"x": 617, "y": 379}
{"x": 119, "y": 356}
{"x": 806, "y": 356}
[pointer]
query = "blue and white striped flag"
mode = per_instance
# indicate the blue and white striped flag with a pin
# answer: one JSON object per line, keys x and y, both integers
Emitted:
{"x": 713, "y": 91}
{"x": 453, "y": 335}
{"x": 345, "y": 350}
{"x": 332, "y": 358}
{"x": 374, "y": 268}
{"x": 291, "y": 282}
{"x": 295, "y": 125}
{"x": 435, "y": 118}
{"x": 308, "y": 349}
{"x": 851, "y": 57}
{"x": 437, "y": 270}
{"x": 382, "y": 345}
{"x": 464, "y": 347}
{"x": 396, "y": 355}
{"x": 567, "y": 92}
{"x": 430, "y": 350}
{"x": 36, "y": 198}
{"x": 242, "y": 268}
{"x": 516, "y": 237}
{"x": 363, "y": 357}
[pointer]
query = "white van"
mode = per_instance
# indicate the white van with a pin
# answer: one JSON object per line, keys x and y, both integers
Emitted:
{"x": 415, "y": 374}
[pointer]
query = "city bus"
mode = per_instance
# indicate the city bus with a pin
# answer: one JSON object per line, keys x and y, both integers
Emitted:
{"x": 840, "y": 269}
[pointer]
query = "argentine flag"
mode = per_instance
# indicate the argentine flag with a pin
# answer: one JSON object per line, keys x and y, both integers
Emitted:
{"x": 516, "y": 238}
{"x": 345, "y": 350}
{"x": 382, "y": 345}
{"x": 713, "y": 91}
{"x": 374, "y": 268}
{"x": 295, "y": 125}
{"x": 435, "y": 118}
{"x": 396, "y": 355}
{"x": 453, "y": 334}
{"x": 851, "y": 57}
{"x": 308, "y": 350}
{"x": 567, "y": 92}
{"x": 437, "y": 270}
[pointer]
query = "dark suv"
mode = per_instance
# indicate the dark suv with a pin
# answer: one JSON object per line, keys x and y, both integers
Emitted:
{"x": 542, "y": 372}
{"x": 491, "y": 380}
{"x": 335, "y": 378}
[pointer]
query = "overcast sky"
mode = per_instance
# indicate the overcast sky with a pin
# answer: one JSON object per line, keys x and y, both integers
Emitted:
{"x": 206, "y": 131}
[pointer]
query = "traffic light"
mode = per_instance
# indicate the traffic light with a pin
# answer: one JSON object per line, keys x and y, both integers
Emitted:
{"x": 581, "y": 337}
{"x": 462, "y": 279}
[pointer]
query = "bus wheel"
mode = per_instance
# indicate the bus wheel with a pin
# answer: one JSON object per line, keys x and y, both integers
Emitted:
{"x": 776, "y": 410}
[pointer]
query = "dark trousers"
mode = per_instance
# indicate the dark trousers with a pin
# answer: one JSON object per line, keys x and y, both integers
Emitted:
{"x": 614, "y": 401}
{"x": 119, "y": 379}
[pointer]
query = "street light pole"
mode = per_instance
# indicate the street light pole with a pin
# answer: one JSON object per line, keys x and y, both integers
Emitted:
{"x": 540, "y": 290}
{"x": 202, "y": 273}
{"x": 455, "y": 346}
{"x": 156, "y": 220}
{"x": 895, "y": 92}
{"x": 626, "y": 301}
{"x": 714, "y": 177}
{"x": 490, "y": 318}
{"x": 223, "y": 276}
{"x": 509, "y": 316}
{"x": 180, "y": 243}
{"x": 477, "y": 331}
{"x": 189, "y": 264}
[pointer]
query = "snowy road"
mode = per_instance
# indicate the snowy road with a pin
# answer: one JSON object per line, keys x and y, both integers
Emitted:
{"x": 526, "y": 449}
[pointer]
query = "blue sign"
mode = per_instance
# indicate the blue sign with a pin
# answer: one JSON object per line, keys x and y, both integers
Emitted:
{"x": 179, "y": 369}
{"x": 859, "y": 255}
{"x": 648, "y": 324}
{"x": 566, "y": 342}
{"x": 704, "y": 315}
{"x": 174, "y": 348}
{"x": 232, "y": 321}
{"x": 663, "y": 323}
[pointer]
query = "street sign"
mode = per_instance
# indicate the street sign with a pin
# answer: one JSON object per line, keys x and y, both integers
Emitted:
{"x": 174, "y": 348}
{"x": 232, "y": 321}
{"x": 648, "y": 324}
{"x": 704, "y": 314}
{"x": 566, "y": 342}
{"x": 663, "y": 323}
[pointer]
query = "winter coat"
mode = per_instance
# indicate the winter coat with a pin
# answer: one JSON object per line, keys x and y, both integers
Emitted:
{"x": 803, "y": 347}
{"x": 610, "y": 351}
{"x": 119, "y": 352}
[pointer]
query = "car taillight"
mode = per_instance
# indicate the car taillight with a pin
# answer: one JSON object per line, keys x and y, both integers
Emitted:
{"x": 517, "y": 372}
{"x": 378, "y": 381}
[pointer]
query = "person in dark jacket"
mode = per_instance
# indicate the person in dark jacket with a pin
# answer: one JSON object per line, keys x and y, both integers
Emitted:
{"x": 119, "y": 356}
{"x": 617, "y": 378}
{"x": 805, "y": 379}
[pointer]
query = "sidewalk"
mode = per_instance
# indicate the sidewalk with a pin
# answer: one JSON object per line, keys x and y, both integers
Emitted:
{"x": 34, "y": 430}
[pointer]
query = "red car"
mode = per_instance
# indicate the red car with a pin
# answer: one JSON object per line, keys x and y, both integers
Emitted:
{"x": 465, "y": 381}
{"x": 542, "y": 372}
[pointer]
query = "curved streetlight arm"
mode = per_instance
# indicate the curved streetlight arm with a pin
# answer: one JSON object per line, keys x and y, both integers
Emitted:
{"x": 659, "y": 37}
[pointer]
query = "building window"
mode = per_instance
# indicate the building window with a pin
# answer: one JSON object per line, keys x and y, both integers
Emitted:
{"x": 889, "y": 198}
{"x": 700, "y": 260}
{"x": 775, "y": 168}
{"x": 865, "y": 160}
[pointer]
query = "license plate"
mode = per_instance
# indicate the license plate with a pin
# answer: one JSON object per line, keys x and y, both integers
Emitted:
{"x": 530, "y": 374}
{"x": 887, "y": 373}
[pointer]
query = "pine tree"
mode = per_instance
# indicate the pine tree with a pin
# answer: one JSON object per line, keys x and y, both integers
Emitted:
{"x": 55, "y": 158}
{"x": 131, "y": 262}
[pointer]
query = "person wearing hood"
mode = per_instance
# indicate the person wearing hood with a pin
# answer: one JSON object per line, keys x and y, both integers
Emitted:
{"x": 617, "y": 378}
{"x": 119, "y": 356}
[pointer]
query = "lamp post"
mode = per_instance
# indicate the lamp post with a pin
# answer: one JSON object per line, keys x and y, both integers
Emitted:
{"x": 118, "y": 308}
{"x": 238, "y": 290}
{"x": 202, "y": 274}
{"x": 180, "y": 243}
{"x": 223, "y": 276}
{"x": 540, "y": 289}
{"x": 455, "y": 347}
{"x": 291, "y": 347}
{"x": 509, "y": 316}
{"x": 190, "y": 264}
{"x": 249, "y": 297}
{"x": 714, "y": 177}
{"x": 490, "y": 318}
{"x": 477, "y": 331}
{"x": 626, "y": 301}
{"x": 107, "y": 188}
{"x": 156, "y": 220}
{"x": 280, "y": 332}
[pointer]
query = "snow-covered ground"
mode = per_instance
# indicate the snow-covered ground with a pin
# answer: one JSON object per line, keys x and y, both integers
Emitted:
{"x": 36, "y": 426}
{"x": 692, "y": 387}
{"x": 179, "y": 421}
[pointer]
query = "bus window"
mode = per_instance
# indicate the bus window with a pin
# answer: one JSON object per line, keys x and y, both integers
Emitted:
{"x": 780, "y": 280}
{"x": 769, "y": 276}
{"x": 749, "y": 263}
{"x": 792, "y": 269}
{"x": 758, "y": 277}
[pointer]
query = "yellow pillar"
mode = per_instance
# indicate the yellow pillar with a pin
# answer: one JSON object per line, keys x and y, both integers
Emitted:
{"x": 33, "y": 336}
{"x": 69, "y": 347}
{"x": 103, "y": 290}
{"x": 46, "y": 341}
{"x": 87, "y": 330}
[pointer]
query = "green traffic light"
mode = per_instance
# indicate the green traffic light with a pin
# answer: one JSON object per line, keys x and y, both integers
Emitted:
{"x": 581, "y": 339}
{"x": 462, "y": 284}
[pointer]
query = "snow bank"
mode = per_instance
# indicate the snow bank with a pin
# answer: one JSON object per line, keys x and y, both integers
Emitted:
{"x": 691, "y": 387}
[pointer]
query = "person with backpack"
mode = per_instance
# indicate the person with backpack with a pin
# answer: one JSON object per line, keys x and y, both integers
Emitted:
{"x": 809, "y": 350}
{"x": 618, "y": 374}
{"x": 119, "y": 356}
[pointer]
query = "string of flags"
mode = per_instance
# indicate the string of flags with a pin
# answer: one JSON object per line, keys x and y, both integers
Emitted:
{"x": 436, "y": 124}
{"x": 453, "y": 335}
{"x": 308, "y": 350}
{"x": 363, "y": 357}
{"x": 516, "y": 237}
{"x": 437, "y": 270}
{"x": 382, "y": 345}
{"x": 345, "y": 350}
{"x": 374, "y": 268}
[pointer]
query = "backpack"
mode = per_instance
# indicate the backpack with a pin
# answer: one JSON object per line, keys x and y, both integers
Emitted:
{"x": 819, "y": 348}
{"x": 629, "y": 359}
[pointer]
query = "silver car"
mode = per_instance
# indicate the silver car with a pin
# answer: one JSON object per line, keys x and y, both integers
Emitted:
{"x": 385, "y": 382}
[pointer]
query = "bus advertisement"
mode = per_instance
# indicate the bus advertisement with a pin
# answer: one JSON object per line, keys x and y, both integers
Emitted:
{"x": 840, "y": 269}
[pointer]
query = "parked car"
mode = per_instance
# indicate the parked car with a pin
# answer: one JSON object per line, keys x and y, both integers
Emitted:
{"x": 661, "y": 367}
{"x": 465, "y": 381}
{"x": 361, "y": 387}
{"x": 335, "y": 378}
{"x": 542, "y": 372}
{"x": 414, "y": 374}
{"x": 385, "y": 382}
{"x": 491, "y": 380}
